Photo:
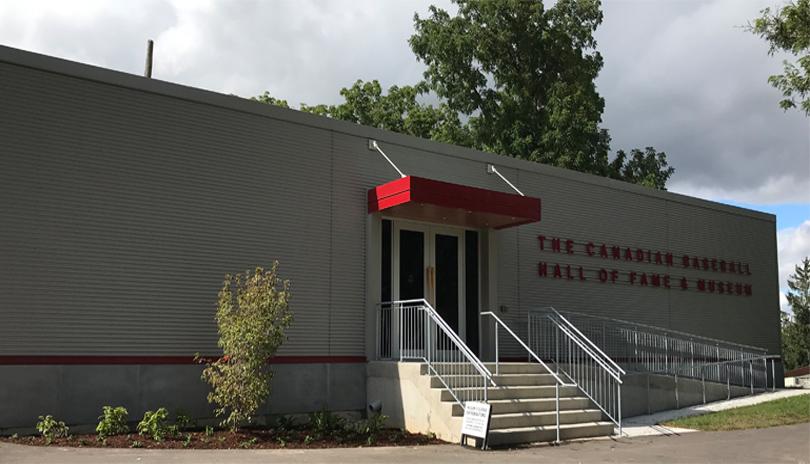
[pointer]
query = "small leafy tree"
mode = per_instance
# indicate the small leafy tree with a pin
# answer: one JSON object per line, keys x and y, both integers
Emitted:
{"x": 252, "y": 317}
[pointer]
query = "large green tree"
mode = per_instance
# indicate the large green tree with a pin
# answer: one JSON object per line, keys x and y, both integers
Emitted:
{"x": 512, "y": 78}
{"x": 787, "y": 29}
{"x": 796, "y": 329}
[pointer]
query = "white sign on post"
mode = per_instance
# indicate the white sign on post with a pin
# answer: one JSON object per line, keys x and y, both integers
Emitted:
{"x": 476, "y": 419}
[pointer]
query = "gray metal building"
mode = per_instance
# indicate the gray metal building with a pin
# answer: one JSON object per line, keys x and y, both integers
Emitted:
{"x": 125, "y": 200}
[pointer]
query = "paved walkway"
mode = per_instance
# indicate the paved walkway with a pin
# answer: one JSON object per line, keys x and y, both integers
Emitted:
{"x": 640, "y": 426}
{"x": 788, "y": 444}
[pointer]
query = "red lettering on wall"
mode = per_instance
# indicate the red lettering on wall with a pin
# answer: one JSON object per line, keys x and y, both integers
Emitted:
{"x": 541, "y": 239}
{"x": 695, "y": 262}
{"x": 666, "y": 280}
{"x": 731, "y": 267}
{"x": 555, "y": 245}
{"x": 701, "y": 285}
{"x": 557, "y": 272}
{"x": 569, "y": 247}
{"x": 581, "y": 274}
{"x": 542, "y": 269}
{"x": 602, "y": 275}
{"x": 603, "y": 251}
{"x": 685, "y": 261}
{"x": 589, "y": 248}
{"x": 632, "y": 277}
{"x": 628, "y": 255}
{"x": 684, "y": 283}
{"x": 616, "y": 252}
{"x": 655, "y": 280}
{"x": 643, "y": 280}
{"x": 669, "y": 259}
{"x": 639, "y": 254}
{"x": 710, "y": 286}
{"x": 722, "y": 266}
{"x": 568, "y": 273}
{"x": 705, "y": 262}
{"x": 658, "y": 259}
{"x": 614, "y": 274}
{"x": 714, "y": 264}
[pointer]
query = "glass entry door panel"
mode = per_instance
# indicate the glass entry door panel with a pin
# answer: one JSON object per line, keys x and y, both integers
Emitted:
{"x": 428, "y": 263}
{"x": 447, "y": 276}
{"x": 411, "y": 264}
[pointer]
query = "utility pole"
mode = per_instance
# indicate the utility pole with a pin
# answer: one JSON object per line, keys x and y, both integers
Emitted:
{"x": 150, "y": 45}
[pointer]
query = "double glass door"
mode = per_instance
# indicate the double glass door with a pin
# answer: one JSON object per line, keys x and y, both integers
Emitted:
{"x": 429, "y": 263}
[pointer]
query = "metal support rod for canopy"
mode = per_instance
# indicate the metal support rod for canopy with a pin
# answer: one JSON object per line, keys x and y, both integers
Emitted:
{"x": 373, "y": 145}
{"x": 492, "y": 170}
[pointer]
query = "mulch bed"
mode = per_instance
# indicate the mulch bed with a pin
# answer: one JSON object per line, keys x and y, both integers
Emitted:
{"x": 243, "y": 439}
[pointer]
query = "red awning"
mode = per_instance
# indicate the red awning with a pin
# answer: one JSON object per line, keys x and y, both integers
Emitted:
{"x": 445, "y": 203}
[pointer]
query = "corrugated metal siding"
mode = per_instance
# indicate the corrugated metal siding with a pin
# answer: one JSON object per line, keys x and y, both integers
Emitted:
{"x": 122, "y": 209}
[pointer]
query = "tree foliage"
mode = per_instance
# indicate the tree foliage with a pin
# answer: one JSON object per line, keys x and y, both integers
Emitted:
{"x": 796, "y": 329}
{"x": 252, "y": 317}
{"x": 512, "y": 78}
{"x": 787, "y": 29}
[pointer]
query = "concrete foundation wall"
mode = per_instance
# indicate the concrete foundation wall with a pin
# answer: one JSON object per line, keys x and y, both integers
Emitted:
{"x": 650, "y": 393}
{"x": 408, "y": 400}
{"x": 76, "y": 394}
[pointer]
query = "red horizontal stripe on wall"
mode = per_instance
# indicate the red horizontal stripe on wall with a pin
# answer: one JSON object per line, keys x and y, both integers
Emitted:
{"x": 112, "y": 359}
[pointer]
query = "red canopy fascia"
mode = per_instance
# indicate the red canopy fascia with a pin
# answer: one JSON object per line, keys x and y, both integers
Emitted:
{"x": 430, "y": 200}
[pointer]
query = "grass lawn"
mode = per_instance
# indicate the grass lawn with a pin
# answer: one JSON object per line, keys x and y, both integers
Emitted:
{"x": 785, "y": 411}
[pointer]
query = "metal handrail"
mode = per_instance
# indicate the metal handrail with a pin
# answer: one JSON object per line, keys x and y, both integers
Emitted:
{"x": 607, "y": 359}
{"x": 526, "y": 347}
{"x": 419, "y": 333}
{"x": 595, "y": 373}
{"x": 560, "y": 382}
{"x": 662, "y": 329}
{"x": 578, "y": 340}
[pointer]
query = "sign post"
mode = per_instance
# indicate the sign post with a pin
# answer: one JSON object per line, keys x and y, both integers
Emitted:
{"x": 475, "y": 422}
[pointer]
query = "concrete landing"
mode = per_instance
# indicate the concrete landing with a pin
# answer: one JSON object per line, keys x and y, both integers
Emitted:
{"x": 649, "y": 425}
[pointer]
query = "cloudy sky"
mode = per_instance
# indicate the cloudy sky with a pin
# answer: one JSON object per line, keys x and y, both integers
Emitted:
{"x": 682, "y": 76}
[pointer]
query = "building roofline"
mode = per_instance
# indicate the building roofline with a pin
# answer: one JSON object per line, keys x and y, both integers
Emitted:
{"x": 78, "y": 70}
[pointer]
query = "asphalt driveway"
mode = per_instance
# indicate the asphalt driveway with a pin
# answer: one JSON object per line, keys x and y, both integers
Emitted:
{"x": 778, "y": 444}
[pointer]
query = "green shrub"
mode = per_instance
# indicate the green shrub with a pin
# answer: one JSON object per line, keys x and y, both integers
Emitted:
{"x": 324, "y": 423}
{"x": 154, "y": 424}
{"x": 252, "y": 316}
{"x": 209, "y": 431}
{"x": 50, "y": 428}
{"x": 183, "y": 421}
{"x": 136, "y": 444}
{"x": 371, "y": 427}
{"x": 112, "y": 421}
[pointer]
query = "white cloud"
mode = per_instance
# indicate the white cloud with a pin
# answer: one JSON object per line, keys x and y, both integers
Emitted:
{"x": 793, "y": 245}
{"x": 680, "y": 76}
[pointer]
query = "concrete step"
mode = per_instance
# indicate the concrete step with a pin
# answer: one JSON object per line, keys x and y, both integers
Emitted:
{"x": 503, "y": 368}
{"x": 516, "y": 368}
{"x": 532, "y": 405}
{"x": 514, "y": 392}
{"x": 529, "y": 419}
{"x": 545, "y": 433}
{"x": 500, "y": 380}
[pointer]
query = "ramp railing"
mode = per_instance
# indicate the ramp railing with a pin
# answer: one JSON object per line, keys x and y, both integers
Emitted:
{"x": 413, "y": 330}
{"x": 645, "y": 348}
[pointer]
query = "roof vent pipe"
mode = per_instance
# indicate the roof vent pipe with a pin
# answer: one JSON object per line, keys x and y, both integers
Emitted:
{"x": 150, "y": 45}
